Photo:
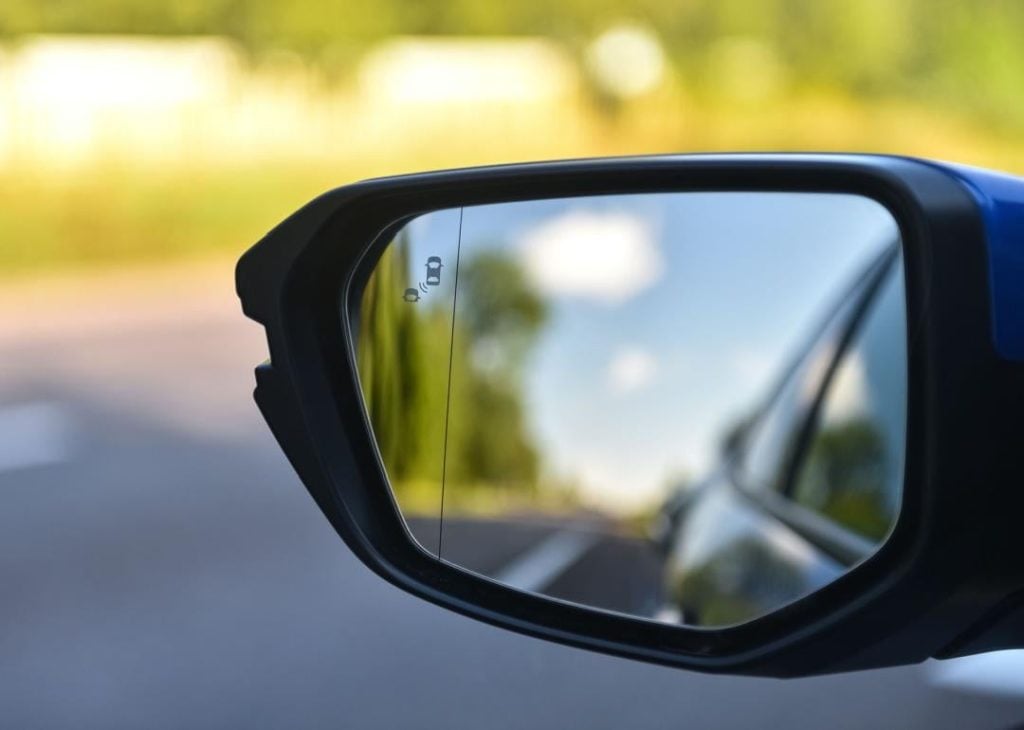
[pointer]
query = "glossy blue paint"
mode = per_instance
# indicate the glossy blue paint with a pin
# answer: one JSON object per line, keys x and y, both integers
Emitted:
{"x": 1001, "y": 199}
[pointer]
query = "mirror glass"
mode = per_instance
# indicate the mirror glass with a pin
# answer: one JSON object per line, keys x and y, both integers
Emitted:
{"x": 687, "y": 407}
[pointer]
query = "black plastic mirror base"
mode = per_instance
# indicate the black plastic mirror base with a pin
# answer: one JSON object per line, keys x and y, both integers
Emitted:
{"x": 952, "y": 561}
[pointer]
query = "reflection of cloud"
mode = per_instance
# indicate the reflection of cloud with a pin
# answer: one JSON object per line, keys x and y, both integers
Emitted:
{"x": 605, "y": 256}
{"x": 631, "y": 369}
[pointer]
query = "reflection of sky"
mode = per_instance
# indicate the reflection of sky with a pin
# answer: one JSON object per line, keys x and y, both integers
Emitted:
{"x": 670, "y": 314}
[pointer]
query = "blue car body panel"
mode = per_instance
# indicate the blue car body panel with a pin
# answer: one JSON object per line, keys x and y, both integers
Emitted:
{"x": 1001, "y": 200}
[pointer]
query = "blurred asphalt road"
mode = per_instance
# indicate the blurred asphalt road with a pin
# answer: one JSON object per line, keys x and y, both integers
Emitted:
{"x": 161, "y": 566}
{"x": 575, "y": 558}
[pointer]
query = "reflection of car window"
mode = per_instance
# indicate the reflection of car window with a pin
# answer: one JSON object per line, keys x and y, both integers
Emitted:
{"x": 853, "y": 468}
{"x": 772, "y": 437}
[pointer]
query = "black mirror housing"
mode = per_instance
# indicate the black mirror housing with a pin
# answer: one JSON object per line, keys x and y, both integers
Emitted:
{"x": 947, "y": 582}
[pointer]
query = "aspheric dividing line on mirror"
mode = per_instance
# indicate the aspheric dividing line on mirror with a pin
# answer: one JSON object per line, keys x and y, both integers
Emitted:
{"x": 448, "y": 397}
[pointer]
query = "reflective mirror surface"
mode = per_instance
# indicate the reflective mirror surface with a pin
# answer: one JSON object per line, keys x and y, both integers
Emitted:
{"x": 686, "y": 407}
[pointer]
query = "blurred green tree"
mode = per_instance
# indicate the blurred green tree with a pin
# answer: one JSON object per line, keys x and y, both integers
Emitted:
{"x": 497, "y": 322}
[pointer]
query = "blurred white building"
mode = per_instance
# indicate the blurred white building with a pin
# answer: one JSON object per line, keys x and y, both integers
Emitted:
{"x": 67, "y": 98}
{"x": 71, "y": 100}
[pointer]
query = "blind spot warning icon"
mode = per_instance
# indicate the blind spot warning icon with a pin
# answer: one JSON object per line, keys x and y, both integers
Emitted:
{"x": 434, "y": 270}
{"x": 411, "y": 295}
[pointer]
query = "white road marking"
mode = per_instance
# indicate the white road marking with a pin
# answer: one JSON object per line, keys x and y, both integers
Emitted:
{"x": 34, "y": 434}
{"x": 997, "y": 673}
{"x": 539, "y": 566}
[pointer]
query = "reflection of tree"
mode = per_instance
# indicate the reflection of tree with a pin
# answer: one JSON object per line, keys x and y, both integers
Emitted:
{"x": 499, "y": 317}
{"x": 493, "y": 443}
{"x": 502, "y": 314}
{"x": 844, "y": 477}
{"x": 403, "y": 356}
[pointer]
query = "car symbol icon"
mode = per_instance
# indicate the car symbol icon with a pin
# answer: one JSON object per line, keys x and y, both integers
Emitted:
{"x": 411, "y": 295}
{"x": 434, "y": 270}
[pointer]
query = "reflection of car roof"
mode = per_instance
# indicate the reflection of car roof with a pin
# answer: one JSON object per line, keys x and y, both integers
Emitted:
{"x": 859, "y": 288}
{"x": 830, "y": 538}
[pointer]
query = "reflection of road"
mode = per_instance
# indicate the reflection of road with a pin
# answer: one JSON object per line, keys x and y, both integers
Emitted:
{"x": 574, "y": 560}
{"x": 161, "y": 567}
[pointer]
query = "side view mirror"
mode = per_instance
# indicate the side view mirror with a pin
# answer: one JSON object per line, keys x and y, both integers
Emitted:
{"x": 752, "y": 414}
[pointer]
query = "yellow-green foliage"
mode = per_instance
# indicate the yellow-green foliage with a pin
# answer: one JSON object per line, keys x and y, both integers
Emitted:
{"x": 481, "y": 436}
